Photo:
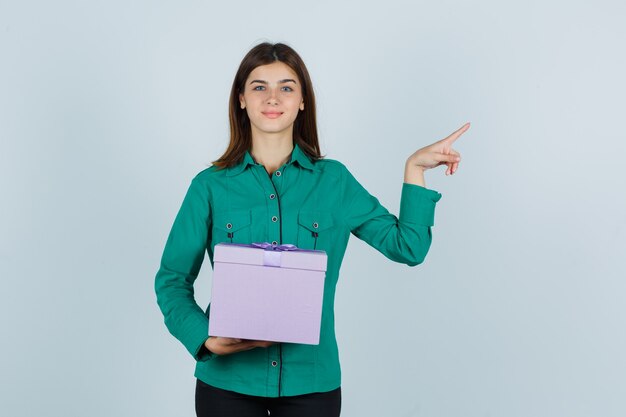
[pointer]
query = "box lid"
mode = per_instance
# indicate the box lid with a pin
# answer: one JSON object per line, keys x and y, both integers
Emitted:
{"x": 272, "y": 256}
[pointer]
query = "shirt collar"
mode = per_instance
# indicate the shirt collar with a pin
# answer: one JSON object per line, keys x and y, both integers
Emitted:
{"x": 297, "y": 155}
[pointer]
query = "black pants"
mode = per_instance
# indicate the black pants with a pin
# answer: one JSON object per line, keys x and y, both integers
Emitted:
{"x": 216, "y": 402}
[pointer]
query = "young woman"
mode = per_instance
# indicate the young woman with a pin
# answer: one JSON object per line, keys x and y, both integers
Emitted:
{"x": 273, "y": 185}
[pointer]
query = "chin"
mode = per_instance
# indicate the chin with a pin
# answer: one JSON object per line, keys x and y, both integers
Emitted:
{"x": 272, "y": 128}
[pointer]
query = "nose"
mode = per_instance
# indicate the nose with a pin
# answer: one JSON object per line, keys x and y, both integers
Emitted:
{"x": 272, "y": 97}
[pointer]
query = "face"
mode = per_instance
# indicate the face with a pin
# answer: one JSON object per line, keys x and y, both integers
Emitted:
{"x": 272, "y": 98}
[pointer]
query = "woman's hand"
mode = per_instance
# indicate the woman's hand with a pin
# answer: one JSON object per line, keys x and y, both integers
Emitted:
{"x": 228, "y": 345}
{"x": 439, "y": 153}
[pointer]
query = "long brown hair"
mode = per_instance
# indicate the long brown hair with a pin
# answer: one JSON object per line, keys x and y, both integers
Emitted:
{"x": 305, "y": 125}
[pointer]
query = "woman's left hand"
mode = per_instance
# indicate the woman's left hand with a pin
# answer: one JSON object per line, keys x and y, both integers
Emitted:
{"x": 439, "y": 153}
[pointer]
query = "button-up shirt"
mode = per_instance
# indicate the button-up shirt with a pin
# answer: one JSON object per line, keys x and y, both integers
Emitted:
{"x": 314, "y": 205}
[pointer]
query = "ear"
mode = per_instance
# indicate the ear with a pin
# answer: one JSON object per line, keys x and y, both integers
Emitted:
{"x": 302, "y": 105}
{"x": 242, "y": 101}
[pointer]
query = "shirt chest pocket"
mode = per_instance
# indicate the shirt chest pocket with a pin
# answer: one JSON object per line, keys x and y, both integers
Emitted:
{"x": 232, "y": 226}
{"x": 315, "y": 229}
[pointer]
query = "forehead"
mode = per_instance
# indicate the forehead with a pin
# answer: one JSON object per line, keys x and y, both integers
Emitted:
{"x": 273, "y": 72}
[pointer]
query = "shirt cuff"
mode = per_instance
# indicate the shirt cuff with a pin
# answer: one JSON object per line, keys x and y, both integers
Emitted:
{"x": 417, "y": 204}
{"x": 195, "y": 337}
{"x": 203, "y": 354}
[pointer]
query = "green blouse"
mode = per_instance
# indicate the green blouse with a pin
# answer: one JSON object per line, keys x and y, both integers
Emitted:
{"x": 243, "y": 204}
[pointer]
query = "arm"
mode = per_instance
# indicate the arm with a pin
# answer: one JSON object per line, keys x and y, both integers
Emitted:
{"x": 405, "y": 239}
{"x": 180, "y": 264}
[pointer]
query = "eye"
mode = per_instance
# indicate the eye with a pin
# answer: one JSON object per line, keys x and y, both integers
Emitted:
{"x": 287, "y": 88}
{"x": 258, "y": 88}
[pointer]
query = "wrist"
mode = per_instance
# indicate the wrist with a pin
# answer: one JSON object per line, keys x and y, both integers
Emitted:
{"x": 411, "y": 165}
{"x": 207, "y": 344}
{"x": 414, "y": 174}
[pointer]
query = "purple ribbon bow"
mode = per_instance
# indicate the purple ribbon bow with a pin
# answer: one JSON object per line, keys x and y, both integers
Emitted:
{"x": 265, "y": 245}
{"x": 272, "y": 256}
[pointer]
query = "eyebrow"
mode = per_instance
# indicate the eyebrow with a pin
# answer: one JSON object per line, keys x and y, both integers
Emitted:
{"x": 280, "y": 81}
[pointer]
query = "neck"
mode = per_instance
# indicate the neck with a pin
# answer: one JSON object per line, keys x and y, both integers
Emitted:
{"x": 271, "y": 151}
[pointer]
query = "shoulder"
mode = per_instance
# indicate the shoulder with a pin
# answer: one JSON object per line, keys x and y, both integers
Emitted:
{"x": 331, "y": 167}
{"x": 209, "y": 174}
{"x": 204, "y": 181}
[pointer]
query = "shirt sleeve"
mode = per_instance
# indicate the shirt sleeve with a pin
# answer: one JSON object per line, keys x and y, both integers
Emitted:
{"x": 180, "y": 264}
{"x": 405, "y": 239}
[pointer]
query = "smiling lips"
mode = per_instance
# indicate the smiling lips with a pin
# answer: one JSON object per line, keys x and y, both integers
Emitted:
{"x": 272, "y": 114}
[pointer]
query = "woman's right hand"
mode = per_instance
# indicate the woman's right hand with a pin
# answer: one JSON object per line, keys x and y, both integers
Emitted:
{"x": 228, "y": 345}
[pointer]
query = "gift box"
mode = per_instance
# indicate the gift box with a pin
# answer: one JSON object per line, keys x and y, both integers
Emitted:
{"x": 267, "y": 292}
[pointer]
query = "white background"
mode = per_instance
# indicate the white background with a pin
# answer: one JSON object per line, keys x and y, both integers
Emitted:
{"x": 108, "y": 109}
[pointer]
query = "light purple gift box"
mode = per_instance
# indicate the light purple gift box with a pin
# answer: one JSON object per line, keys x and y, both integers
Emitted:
{"x": 266, "y": 292}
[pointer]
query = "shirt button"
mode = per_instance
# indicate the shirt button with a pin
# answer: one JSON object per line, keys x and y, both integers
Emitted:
{"x": 274, "y": 218}
{"x": 315, "y": 225}
{"x": 277, "y": 173}
{"x": 274, "y": 243}
{"x": 274, "y": 363}
{"x": 272, "y": 196}
{"x": 229, "y": 226}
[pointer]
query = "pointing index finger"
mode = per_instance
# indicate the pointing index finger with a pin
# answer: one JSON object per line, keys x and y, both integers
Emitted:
{"x": 454, "y": 136}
